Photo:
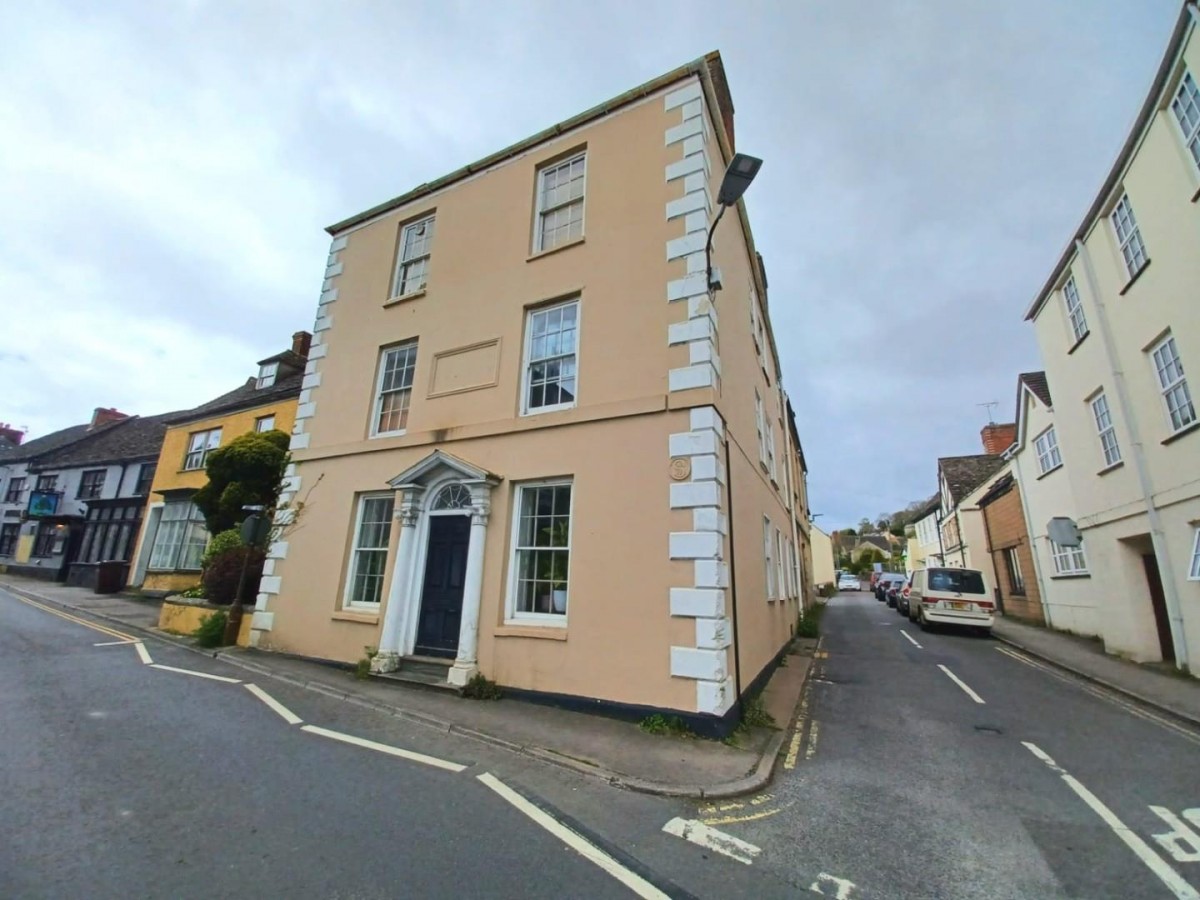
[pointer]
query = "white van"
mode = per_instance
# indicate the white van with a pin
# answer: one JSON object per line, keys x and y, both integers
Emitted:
{"x": 950, "y": 597}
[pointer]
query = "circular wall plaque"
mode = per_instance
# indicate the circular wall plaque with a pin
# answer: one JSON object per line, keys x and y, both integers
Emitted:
{"x": 681, "y": 468}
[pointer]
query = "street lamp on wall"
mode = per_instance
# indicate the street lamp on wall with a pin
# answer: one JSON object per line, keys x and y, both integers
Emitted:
{"x": 738, "y": 175}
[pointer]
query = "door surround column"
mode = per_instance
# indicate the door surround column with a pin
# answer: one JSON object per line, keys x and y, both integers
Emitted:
{"x": 408, "y": 513}
{"x": 466, "y": 665}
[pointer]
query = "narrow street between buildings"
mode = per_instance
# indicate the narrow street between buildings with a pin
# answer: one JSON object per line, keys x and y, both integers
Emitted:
{"x": 922, "y": 765}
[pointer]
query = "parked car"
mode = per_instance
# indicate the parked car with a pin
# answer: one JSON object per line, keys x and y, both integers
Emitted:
{"x": 950, "y": 597}
{"x": 898, "y": 596}
{"x": 849, "y": 583}
{"x": 885, "y": 581}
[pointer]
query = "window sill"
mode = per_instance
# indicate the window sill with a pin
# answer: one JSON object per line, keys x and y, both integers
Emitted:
{"x": 363, "y": 618}
{"x": 411, "y": 295}
{"x": 555, "y": 249}
{"x": 1186, "y": 429}
{"x": 543, "y": 410}
{"x": 1049, "y": 472}
{"x": 388, "y": 434}
{"x": 1136, "y": 276}
{"x": 542, "y": 632}
{"x": 1066, "y": 575}
{"x": 1112, "y": 468}
{"x": 1075, "y": 346}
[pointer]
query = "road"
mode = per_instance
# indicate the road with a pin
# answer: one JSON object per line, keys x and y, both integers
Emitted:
{"x": 126, "y": 779}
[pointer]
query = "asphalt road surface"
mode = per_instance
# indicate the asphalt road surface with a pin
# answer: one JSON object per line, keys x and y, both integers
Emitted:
{"x": 121, "y": 778}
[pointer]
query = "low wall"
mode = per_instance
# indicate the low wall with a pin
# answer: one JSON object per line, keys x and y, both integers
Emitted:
{"x": 180, "y": 615}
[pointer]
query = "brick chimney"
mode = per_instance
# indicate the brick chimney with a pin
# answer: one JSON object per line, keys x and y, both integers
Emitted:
{"x": 102, "y": 416}
{"x": 15, "y": 435}
{"x": 998, "y": 438}
{"x": 301, "y": 341}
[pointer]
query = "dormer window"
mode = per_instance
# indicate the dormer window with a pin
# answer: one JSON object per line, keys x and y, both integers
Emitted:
{"x": 266, "y": 375}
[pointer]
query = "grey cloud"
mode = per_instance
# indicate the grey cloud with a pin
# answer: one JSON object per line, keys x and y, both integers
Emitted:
{"x": 924, "y": 163}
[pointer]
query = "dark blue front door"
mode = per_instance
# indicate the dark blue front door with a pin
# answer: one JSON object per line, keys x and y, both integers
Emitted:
{"x": 442, "y": 593}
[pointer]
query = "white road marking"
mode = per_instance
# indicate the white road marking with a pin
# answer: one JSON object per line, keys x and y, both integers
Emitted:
{"x": 1155, "y": 863}
{"x": 843, "y": 886}
{"x": 1181, "y": 841}
{"x": 704, "y": 836}
{"x": 1106, "y": 696}
{"x": 143, "y": 653}
{"x": 584, "y": 848}
{"x": 962, "y": 684}
{"x": 114, "y": 643}
{"x": 384, "y": 748}
{"x": 911, "y": 640}
{"x": 197, "y": 674}
{"x": 286, "y": 714}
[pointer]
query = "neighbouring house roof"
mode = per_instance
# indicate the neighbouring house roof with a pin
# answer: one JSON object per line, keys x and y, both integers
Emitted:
{"x": 1036, "y": 382}
{"x": 47, "y": 443}
{"x": 247, "y": 396}
{"x": 130, "y": 439}
{"x": 1145, "y": 117}
{"x": 879, "y": 541}
{"x": 932, "y": 505}
{"x": 707, "y": 67}
{"x": 965, "y": 473}
{"x": 1002, "y": 486}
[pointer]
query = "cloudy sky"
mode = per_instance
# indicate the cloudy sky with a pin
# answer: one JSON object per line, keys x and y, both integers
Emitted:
{"x": 166, "y": 171}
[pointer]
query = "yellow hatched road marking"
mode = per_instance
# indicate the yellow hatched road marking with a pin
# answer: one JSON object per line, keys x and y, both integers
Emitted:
{"x": 749, "y": 817}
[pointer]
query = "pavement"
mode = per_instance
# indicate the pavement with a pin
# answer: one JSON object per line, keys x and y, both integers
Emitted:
{"x": 1153, "y": 685}
{"x": 616, "y": 751}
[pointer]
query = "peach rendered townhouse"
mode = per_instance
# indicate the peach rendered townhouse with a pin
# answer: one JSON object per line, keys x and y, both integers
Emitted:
{"x": 530, "y": 444}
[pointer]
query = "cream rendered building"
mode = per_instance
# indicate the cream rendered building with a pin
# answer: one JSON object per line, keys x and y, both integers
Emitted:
{"x": 1118, "y": 324}
{"x": 924, "y": 549}
{"x": 531, "y": 447}
{"x": 823, "y": 568}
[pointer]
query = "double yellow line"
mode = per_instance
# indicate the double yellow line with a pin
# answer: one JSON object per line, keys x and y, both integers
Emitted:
{"x": 103, "y": 629}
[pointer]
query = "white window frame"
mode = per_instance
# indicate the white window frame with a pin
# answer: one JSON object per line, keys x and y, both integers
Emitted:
{"x": 527, "y": 363}
{"x": 1049, "y": 457}
{"x": 352, "y": 564}
{"x": 1173, "y": 388}
{"x": 772, "y": 466}
{"x": 1068, "y": 560}
{"x": 542, "y": 211}
{"x": 405, "y": 263}
{"x": 187, "y": 528}
{"x": 1129, "y": 236}
{"x": 1075, "y": 314}
{"x": 209, "y": 440}
{"x": 1194, "y": 571}
{"x": 377, "y": 406}
{"x": 264, "y": 423}
{"x": 267, "y": 373}
{"x": 1105, "y": 430}
{"x": 780, "y": 566}
{"x": 767, "y": 560}
{"x": 1187, "y": 95}
{"x": 512, "y": 615}
{"x": 760, "y": 423}
{"x": 1013, "y": 559}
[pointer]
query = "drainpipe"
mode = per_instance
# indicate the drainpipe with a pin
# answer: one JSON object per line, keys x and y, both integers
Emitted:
{"x": 1158, "y": 536}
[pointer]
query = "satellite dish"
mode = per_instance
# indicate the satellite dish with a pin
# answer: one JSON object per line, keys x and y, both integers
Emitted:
{"x": 1064, "y": 532}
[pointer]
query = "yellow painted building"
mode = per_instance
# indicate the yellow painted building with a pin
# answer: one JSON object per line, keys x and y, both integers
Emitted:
{"x": 173, "y": 535}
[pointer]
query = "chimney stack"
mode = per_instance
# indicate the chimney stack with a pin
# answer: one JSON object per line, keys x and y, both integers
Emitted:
{"x": 14, "y": 435}
{"x": 102, "y": 416}
{"x": 998, "y": 438}
{"x": 301, "y": 341}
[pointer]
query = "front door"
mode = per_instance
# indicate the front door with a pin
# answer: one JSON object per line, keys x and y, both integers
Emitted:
{"x": 1158, "y": 601}
{"x": 442, "y": 593}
